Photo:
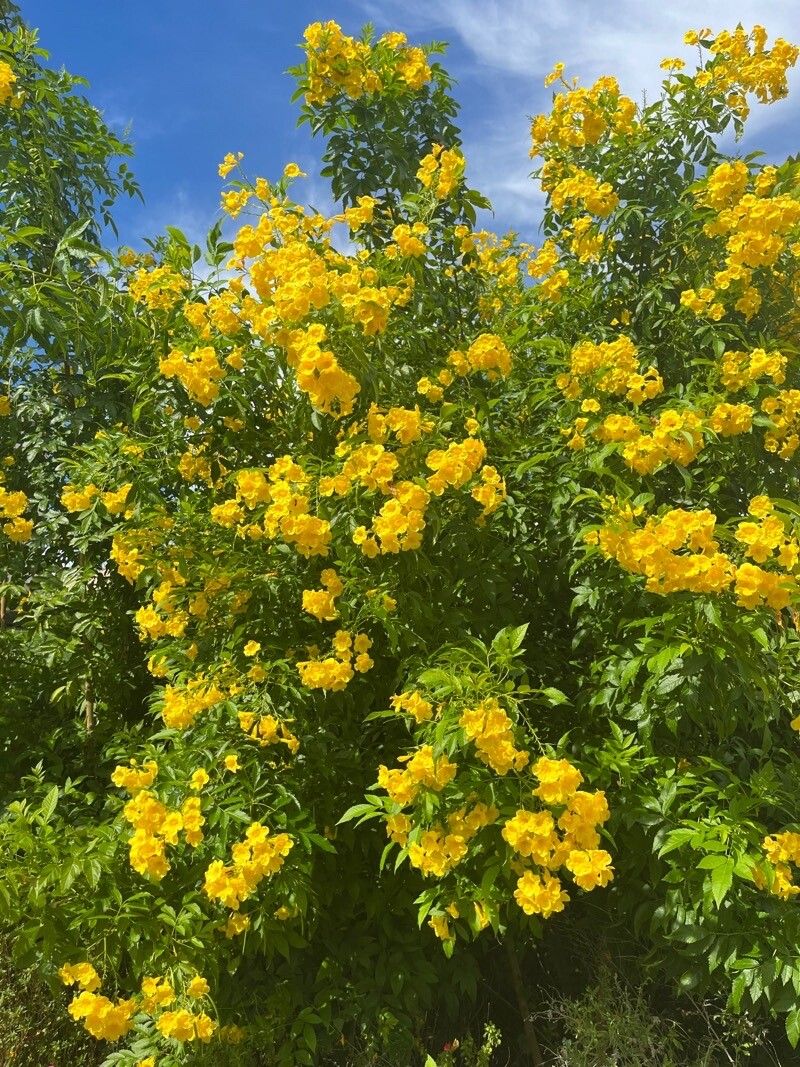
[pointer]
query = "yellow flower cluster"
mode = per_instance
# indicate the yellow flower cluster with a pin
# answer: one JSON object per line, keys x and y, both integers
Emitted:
{"x": 198, "y": 371}
{"x": 127, "y": 558}
{"x": 155, "y": 827}
{"x": 105, "y": 1019}
{"x": 266, "y": 730}
{"x": 229, "y": 163}
{"x": 677, "y": 552}
{"x": 12, "y": 506}
{"x": 558, "y": 780}
{"x": 260, "y": 855}
{"x": 115, "y": 500}
{"x": 194, "y": 466}
{"x": 408, "y": 240}
{"x": 454, "y": 465}
{"x": 703, "y": 301}
{"x": 611, "y": 368}
{"x": 767, "y": 536}
{"x": 399, "y": 524}
{"x": 369, "y": 306}
{"x": 231, "y": 1034}
{"x": 407, "y": 424}
{"x": 783, "y": 410}
{"x": 413, "y": 704}
{"x": 441, "y": 171}
{"x": 336, "y": 63}
{"x": 361, "y": 214}
{"x": 738, "y": 369}
{"x": 183, "y": 1025}
{"x": 498, "y": 260}
{"x": 199, "y": 779}
{"x": 369, "y": 465}
{"x": 756, "y": 587}
{"x": 585, "y": 240}
{"x": 233, "y": 201}
{"x": 422, "y": 770}
{"x": 487, "y": 353}
{"x": 133, "y": 778}
{"x": 81, "y": 974}
{"x": 288, "y": 513}
{"x": 440, "y": 924}
{"x": 160, "y": 289}
{"x": 319, "y": 374}
{"x": 726, "y": 185}
{"x": 581, "y": 188}
{"x": 535, "y": 837}
{"x": 7, "y": 79}
{"x": 757, "y": 228}
{"x": 253, "y": 488}
{"x": 153, "y": 626}
{"x": 334, "y": 672}
{"x": 781, "y": 851}
{"x": 295, "y": 271}
{"x": 236, "y": 924}
{"x": 582, "y": 116}
{"x": 432, "y": 392}
{"x": 728, "y": 420}
{"x": 488, "y": 726}
{"x": 540, "y": 894}
{"x": 438, "y": 850}
{"x": 109, "y": 1021}
{"x": 78, "y": 498}
{"x": 321, "y": 603}
{"x": 156, "y": 993}
{"x": 743, "y": 64}
{"x": 290, "y": 277}
{"x": 181, "y": 706}
{"x": 491, "y": 493}
{"x": 544, "y": 263}
{"x": 676, "y": 437}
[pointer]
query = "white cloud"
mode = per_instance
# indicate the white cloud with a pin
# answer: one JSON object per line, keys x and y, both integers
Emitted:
{"x": 512, "y": 44}
{"x": 178, "y": 209}
{"x": 525, "y": 37}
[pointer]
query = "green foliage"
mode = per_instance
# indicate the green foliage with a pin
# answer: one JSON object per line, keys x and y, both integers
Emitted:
{"x": 34, "y": 1029}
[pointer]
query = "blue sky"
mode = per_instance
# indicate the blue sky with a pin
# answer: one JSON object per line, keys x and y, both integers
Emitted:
{"x": 193, "y": 81}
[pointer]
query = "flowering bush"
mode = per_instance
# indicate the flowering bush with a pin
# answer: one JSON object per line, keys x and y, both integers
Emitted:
{"x": 442, "y": 549}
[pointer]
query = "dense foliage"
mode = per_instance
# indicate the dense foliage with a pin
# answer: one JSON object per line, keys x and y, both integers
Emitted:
{"x": 380, "y": 595}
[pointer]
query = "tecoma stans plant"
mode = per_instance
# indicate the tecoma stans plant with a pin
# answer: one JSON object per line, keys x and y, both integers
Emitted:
{"x": 465, "y": 571}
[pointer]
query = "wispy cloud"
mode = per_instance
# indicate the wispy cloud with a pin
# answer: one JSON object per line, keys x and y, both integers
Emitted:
{"x": 525, "y": 37}
{"x": 175, "y": 208}
{"x": 509, "y": 45}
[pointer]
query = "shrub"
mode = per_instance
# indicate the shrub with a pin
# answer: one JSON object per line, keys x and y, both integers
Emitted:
{"x": 466, "y": 574}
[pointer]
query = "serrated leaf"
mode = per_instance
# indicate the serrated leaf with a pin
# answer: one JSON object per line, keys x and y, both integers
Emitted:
{"x": 49, "y": 805}
{"x": 721, "y": 880}
{"x": 793, "y": 1027}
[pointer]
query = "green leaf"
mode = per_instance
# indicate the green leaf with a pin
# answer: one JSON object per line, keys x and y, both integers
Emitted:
{"x": 793, "y": 1027}
{"x": 554, "y": 696}
{"x": 178, "y": 236}
{"x": 356, "y": 811}
{"x": 721, "y": 879}
{"x": 509, "y": 640}
{"x": 676, "y": 838}
{"x": 48, "y": 805}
